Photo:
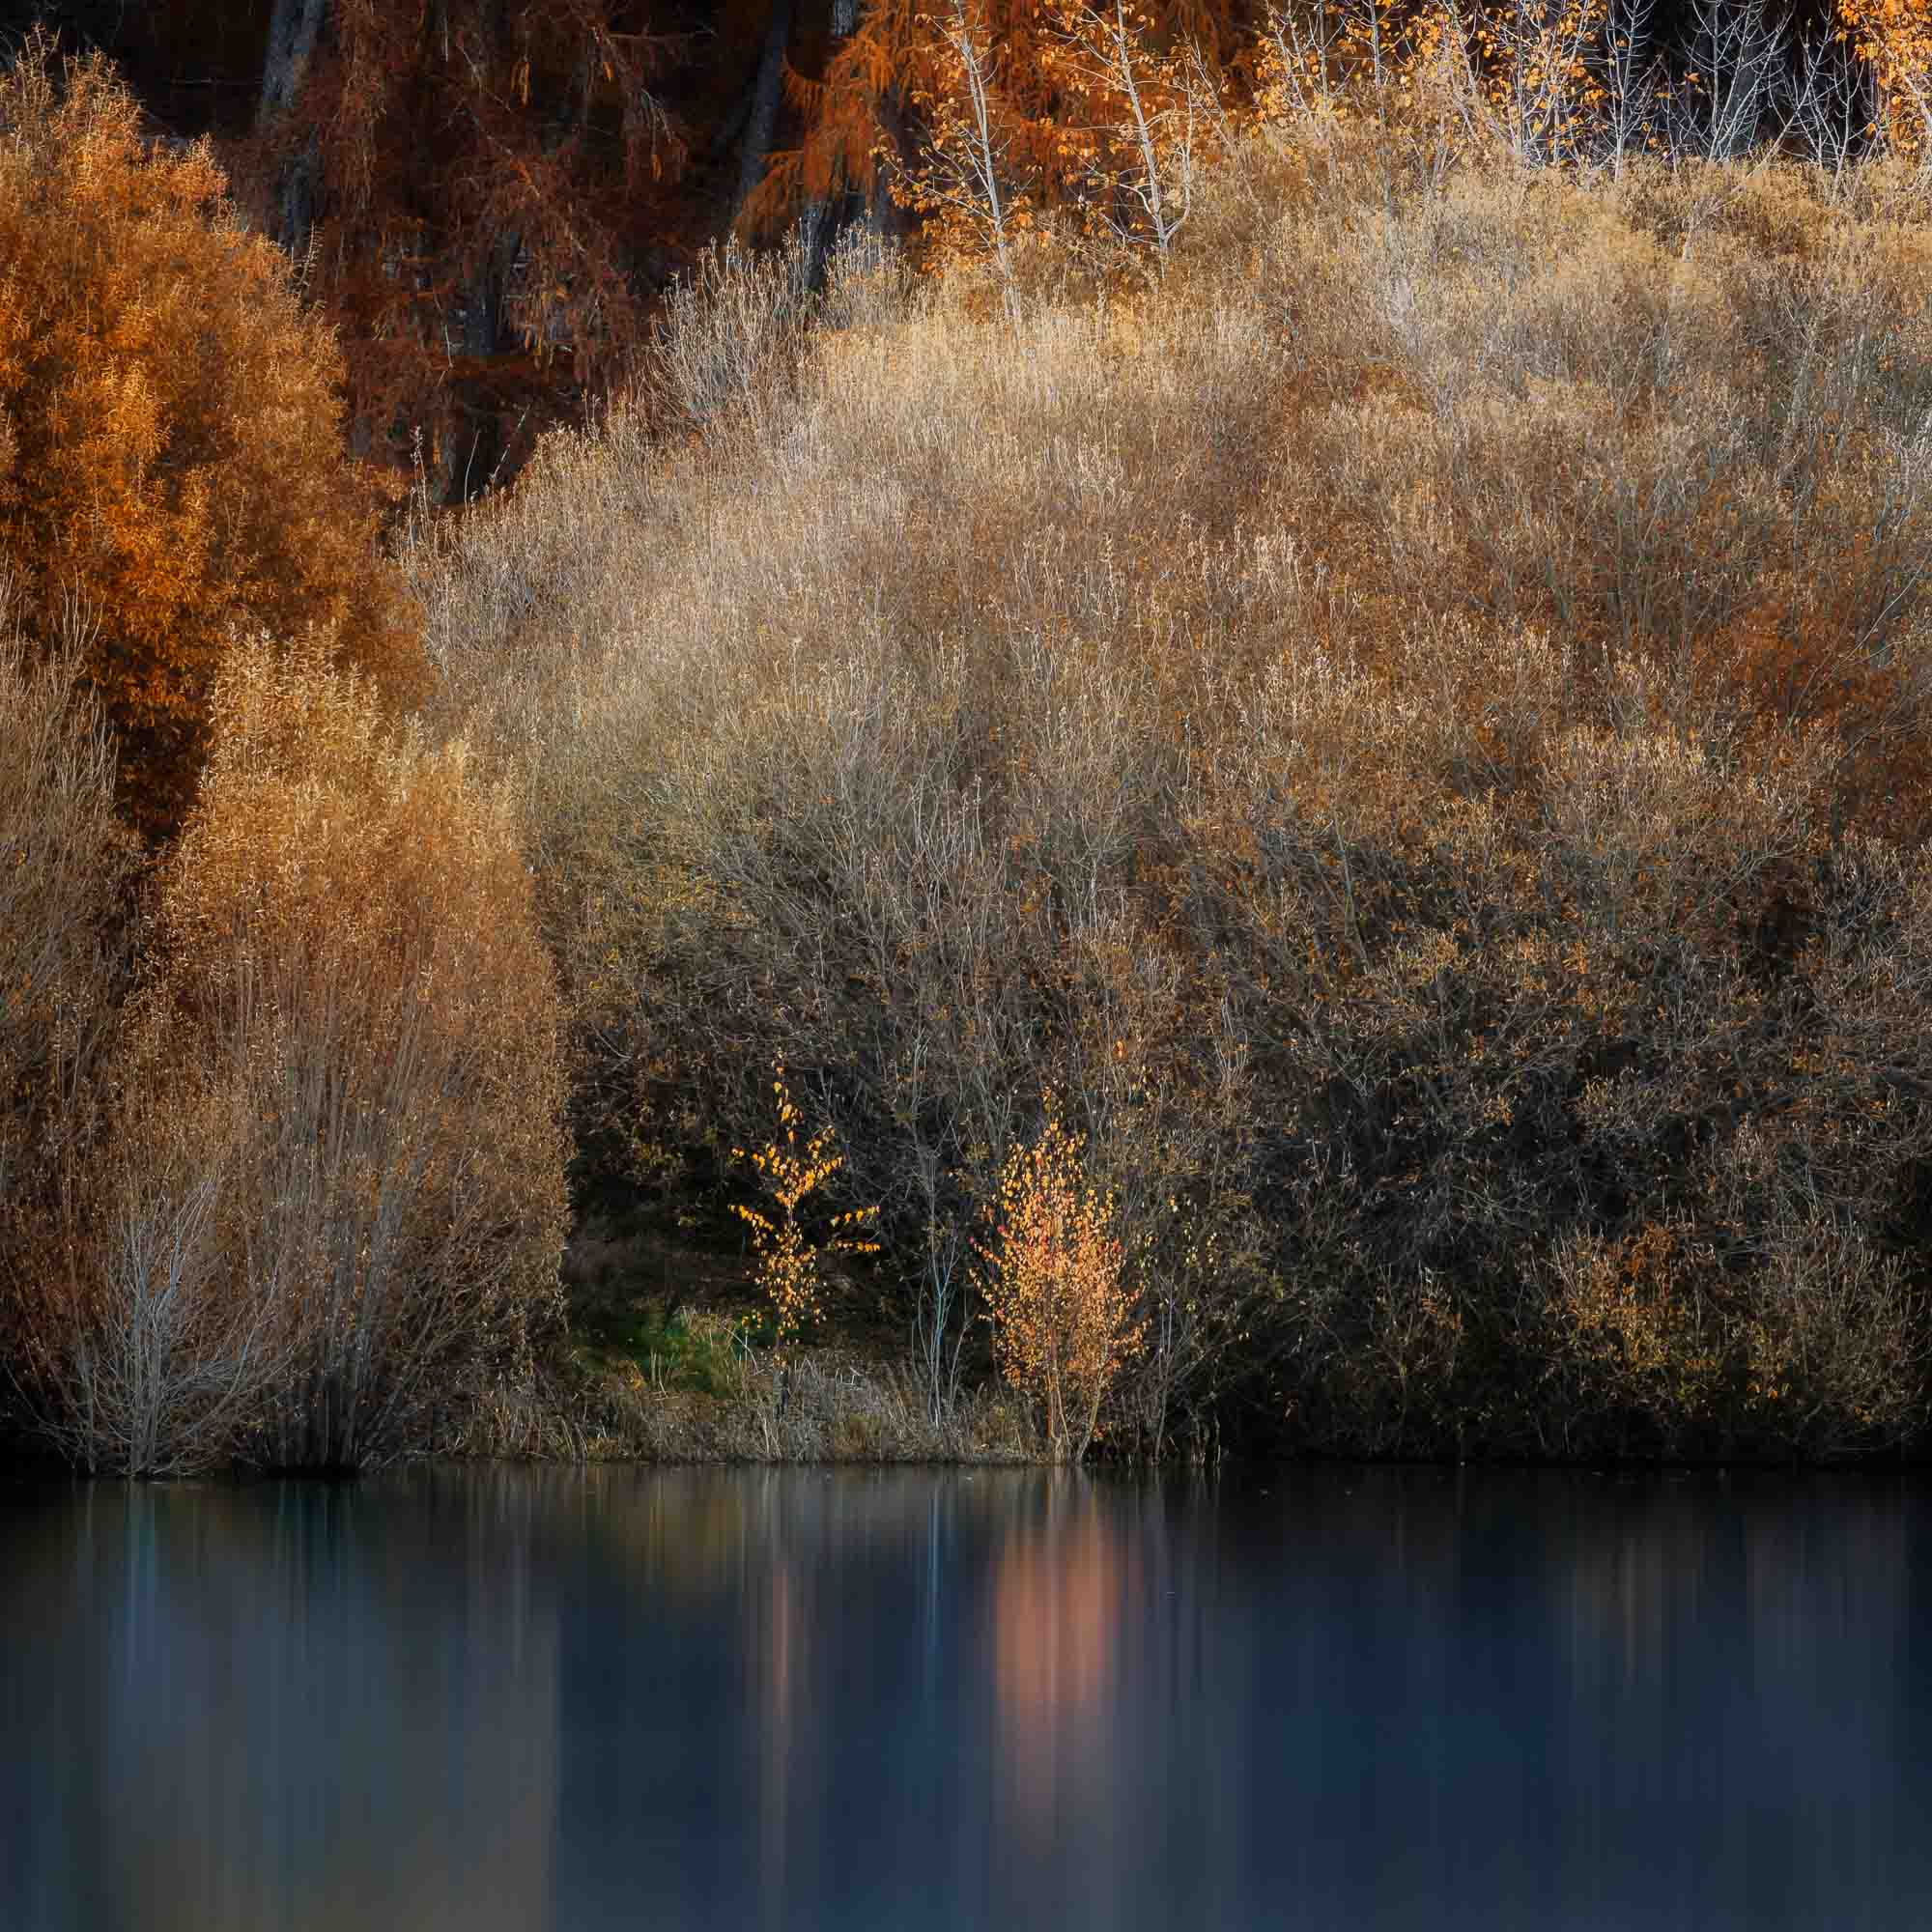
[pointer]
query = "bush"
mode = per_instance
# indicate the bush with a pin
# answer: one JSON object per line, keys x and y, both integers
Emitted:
{"x": 65, "y": 866}
{"x": 1054, "y": 1278}
{"x": 171, "y": 449}
{"x": 329, "y": 1200}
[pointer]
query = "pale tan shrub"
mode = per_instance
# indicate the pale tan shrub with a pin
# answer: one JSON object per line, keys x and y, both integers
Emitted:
{"x": 347, "y": 963}
{"x": 1651, "y": 425}
{"x": 146, "y": 1361}
{"x": 66, "y": 865}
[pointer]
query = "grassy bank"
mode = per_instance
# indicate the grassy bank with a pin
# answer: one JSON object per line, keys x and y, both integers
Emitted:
{"x": 670, "y": 1356}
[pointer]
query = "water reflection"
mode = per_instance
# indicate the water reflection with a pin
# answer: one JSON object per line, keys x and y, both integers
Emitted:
{"x": 224, "y": 1709}
{"x": 1058, "y": 1608}
{"x": 514, "y": 1698}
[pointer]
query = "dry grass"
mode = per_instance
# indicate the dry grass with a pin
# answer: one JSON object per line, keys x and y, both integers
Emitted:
{"x": 807, "y": 1406}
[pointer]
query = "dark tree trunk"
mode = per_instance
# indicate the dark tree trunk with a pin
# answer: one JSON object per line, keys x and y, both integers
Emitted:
{"x": 767, "y": 88}
{"x": 294, "y": 28}
{"x": 293, "y": 31}
{"x": 485, "y": 333}
{"x": 487, "y": 298}
{"x": 826, "y": 218}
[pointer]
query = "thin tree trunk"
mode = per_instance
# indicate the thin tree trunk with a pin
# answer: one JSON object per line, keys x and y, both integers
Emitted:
{"x": 884, "y": 217}
{"x": 294, "y": 28}
{"x": 487, "y": 298}
{"x": 767, "y": 88}
{"x": 825, "y": 215}
{"x": 485, "y": 334}
{"x": 293, "y": 31}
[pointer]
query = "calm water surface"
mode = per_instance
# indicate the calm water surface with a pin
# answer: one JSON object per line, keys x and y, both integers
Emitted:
{"x": 516, "y": 1698}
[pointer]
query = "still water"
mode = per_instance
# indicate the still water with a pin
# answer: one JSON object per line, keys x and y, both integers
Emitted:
{"x": 627, "y": 1698}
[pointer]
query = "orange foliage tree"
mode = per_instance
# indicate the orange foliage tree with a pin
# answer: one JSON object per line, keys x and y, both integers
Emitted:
{"x": 907, "y": 72}
{"x": 986, "y": 116}
{"x": 1895, "y": 38}
{"x": 1093, "y": 110}
{"x": 171, "y": 453}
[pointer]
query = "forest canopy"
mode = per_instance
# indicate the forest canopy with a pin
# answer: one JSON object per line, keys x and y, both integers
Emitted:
{"x": 488, "y": 200}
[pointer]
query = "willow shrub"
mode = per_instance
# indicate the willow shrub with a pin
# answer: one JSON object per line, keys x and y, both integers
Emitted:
{"x": 65, "y": 866}
{"x": 1054, "y": 1276}
{"x": 329, "y": 1202}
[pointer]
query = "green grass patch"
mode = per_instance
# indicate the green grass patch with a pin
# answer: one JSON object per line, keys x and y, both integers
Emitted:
{"x": 674, "y": 1347}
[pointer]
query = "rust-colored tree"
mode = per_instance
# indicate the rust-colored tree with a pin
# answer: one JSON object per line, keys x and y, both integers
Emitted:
{"x": 171, "y": 450}
{"x": 1072, "y": 102}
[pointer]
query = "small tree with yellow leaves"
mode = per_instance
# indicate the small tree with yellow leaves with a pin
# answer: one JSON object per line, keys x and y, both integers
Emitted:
{"x": 974, "y": 186}
{"x": 1137, "y": 121}
{"x": 1054, "y": 1276}
{"x": 1083, "y": 111}
{"x": 788, "y": 1258}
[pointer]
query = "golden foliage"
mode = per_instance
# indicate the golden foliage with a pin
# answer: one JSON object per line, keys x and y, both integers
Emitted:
{"x": 1055, "y": 1283}
{"x": 1103, "y": 111}
{"x": 1895, "y": 38}
{"x": 1634, "y": 1314}
{"x": 789, "y": 1257}
{"x": 170, "y": 428}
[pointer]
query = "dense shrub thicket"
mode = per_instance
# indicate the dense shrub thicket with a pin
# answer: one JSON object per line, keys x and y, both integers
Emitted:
{"x": 1413, "y": 726}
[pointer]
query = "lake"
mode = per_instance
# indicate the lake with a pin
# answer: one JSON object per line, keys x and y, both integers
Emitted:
{"x": 510, "y": 1697}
